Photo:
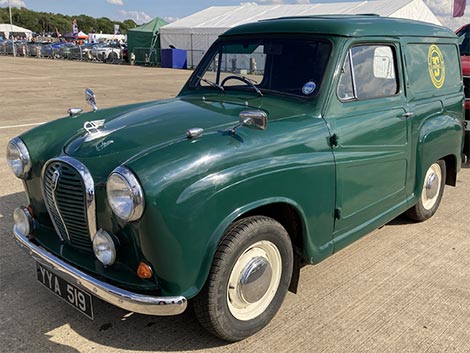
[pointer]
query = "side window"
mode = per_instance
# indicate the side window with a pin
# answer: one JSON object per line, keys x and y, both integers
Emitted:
{"x": 369, "y": 71}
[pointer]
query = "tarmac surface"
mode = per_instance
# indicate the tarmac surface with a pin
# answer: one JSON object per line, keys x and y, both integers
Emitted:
{"x": 402, "y": 288}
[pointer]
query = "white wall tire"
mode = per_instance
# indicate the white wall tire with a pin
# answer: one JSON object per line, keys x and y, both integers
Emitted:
{"x": 248, "y": 292}
{"x": 249, "y": 279}
{"x": 431, "y": 193}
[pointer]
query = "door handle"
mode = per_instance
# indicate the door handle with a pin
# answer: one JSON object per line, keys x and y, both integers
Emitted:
{"x": 408, "y": 115}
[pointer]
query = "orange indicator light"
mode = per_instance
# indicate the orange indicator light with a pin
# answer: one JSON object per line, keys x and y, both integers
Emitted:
{"x": 144, "y": 271}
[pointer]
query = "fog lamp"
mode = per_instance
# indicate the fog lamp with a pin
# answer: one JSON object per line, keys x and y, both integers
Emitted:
{"x": 23, "y": 220}
{"x": 104, "y": 247}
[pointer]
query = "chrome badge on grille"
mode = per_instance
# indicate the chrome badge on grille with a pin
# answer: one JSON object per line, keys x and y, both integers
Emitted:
{"x": 55, "y": 179}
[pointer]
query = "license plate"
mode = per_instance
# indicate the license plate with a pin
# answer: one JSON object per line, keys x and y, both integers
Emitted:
{"x": 466, "y": 125}
{"x": 73, "y": 295}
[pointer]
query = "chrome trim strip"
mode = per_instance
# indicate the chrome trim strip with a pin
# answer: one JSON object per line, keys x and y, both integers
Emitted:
{"x": 49, "y": 211}
{"x": 139, "y": 303}
{"x": 89, "y": 186}
{"x": 26, "y": 190}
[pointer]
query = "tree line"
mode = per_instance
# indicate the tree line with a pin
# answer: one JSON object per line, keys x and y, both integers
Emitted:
{"x": 43, "y": 22}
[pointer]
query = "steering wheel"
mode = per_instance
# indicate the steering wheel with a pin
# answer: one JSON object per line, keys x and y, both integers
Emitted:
{"x": 245, "y": 80}
{"x": 239, "y": 78}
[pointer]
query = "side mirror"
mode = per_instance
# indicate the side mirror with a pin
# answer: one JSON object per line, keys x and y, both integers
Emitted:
{"x": 254, "y": 118}
{"x": 90, "y": 99}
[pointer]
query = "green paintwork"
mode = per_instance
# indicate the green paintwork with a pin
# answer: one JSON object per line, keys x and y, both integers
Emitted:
{"x": 194, "y": 188}
{"x": 344, "y": 25}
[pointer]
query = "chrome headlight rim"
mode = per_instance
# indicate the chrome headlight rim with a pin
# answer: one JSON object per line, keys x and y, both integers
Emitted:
{"x": 104, "y": 247}
{"x": 23, "y": 220}
{"x": 135, "y": 190}
{"x": 24, "y": 158}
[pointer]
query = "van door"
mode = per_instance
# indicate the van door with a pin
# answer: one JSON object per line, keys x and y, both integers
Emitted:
{"x": 369, "y": 125}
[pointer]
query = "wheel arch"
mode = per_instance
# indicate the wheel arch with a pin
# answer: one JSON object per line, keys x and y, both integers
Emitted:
{"x": 439, "y": 138}
{"x": 284, "y": 211}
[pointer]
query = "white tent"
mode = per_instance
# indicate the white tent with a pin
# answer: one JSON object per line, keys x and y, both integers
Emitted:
{"x": 6, "y": 29}
{"x": 197, "y": 32}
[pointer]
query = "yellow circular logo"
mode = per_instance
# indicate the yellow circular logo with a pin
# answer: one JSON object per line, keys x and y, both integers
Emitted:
{"x": 436, "y": 66}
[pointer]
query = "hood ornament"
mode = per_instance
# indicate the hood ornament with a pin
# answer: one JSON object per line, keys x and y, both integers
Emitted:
{"x": 93, "y": 127}
{"x": 95, "y": 130}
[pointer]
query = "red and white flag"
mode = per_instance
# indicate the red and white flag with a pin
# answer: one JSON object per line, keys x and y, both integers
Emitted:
{"x": 459, "y": 8}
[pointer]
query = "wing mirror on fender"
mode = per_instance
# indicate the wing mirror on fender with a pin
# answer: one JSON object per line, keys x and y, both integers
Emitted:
{"x": 90, "y": 99}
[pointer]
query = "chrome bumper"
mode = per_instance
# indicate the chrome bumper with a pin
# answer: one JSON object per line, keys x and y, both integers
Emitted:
{"x": 143, "y": 304}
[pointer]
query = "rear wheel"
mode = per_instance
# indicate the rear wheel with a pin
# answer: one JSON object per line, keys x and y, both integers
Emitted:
{"x": 431, "y": 194}
{"x": 112, "y": 57}
{"x": 249, "y": 279}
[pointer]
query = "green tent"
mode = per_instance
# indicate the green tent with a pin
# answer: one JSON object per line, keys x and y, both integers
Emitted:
{"x": 144, "y": 42}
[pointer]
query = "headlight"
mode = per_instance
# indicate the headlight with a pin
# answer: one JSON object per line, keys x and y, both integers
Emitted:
{"x": 125, "y": 195}
{"x": 23, "y": 220}
{"x": 104, "y": 248}
{"x": 18, "y": 158}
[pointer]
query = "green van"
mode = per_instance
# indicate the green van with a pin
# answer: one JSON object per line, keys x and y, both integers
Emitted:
{"x": 293, "y": 138}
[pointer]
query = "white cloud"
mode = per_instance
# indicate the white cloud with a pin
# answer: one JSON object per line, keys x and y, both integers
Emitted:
{"x": 170, "y": 19}
{"x": 14, "y": 3}
{"x": 138, "y": 16}
{"x": 116, "y": 2}
{"x": 302, "y": 1}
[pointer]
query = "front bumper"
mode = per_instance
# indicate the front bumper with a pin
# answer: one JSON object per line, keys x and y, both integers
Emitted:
{"x": 142, "y": 304}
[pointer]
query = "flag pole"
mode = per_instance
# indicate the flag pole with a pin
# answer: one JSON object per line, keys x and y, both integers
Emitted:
{"x": 11, "y": 30}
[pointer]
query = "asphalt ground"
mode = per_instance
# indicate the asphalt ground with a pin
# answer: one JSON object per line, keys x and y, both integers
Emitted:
{"x": 402, "y": 288}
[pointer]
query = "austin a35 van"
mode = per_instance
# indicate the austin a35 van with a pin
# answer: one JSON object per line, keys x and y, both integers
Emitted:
{"x": 292, "y": 138}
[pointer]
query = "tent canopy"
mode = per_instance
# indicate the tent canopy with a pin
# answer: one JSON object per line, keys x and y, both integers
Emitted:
{"x": 6, "y": 29}
{"x": 197, "y": 32}
{"x": 144, "y": 39}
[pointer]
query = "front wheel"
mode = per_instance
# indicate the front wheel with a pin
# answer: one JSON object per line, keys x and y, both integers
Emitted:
{"x": 249, "y": 279}
{"x": 431, "y": 194}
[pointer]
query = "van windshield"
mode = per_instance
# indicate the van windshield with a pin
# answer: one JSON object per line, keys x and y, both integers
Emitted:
{"x": 284, "y": 65}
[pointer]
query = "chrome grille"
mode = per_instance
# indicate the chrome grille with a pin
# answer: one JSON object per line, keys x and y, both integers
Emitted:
{"x": 67, "y": 199}
{"x": 466, "y": 89}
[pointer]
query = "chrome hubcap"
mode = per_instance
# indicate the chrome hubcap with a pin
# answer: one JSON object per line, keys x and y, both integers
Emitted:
{"x": 431, "y": 187}
{"x": 254, "y": 280}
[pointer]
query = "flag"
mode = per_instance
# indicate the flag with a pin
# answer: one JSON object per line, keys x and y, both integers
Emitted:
{"x": 459, "y": 8}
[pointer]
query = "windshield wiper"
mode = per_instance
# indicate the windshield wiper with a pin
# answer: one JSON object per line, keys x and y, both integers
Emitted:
{"x": 213, "y": 84}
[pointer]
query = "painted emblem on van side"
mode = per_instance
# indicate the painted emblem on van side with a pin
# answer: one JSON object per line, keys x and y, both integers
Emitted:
{"x": 436, "y": 66}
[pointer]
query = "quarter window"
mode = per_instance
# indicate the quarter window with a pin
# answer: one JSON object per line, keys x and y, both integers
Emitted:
{"x": 369, "y": 71}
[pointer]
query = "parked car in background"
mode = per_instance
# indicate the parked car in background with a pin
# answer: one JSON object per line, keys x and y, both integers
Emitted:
{"x": 64, "y": 50}
{"x": 82, "y": 52}
{"x": 464, "y": 34}
{"x": 21, "y": 48}
{"x": 107, "y": 52}
{"x": 39, "y": 49}
{"x": 293, "y": 138}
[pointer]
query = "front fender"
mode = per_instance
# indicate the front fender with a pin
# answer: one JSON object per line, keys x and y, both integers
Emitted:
{"x": 192, "y": 197}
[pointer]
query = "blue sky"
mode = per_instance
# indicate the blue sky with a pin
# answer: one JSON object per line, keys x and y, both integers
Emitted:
{"x": 139, "y": 10}
{"x": 142, "y": 11}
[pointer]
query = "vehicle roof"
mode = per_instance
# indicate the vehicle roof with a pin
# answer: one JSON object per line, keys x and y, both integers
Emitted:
{"x": 344, "y": 25}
